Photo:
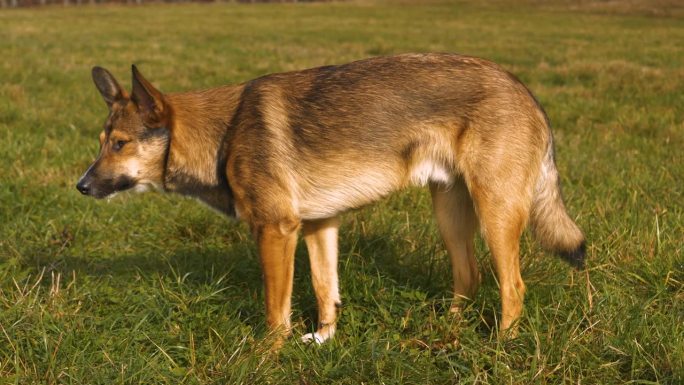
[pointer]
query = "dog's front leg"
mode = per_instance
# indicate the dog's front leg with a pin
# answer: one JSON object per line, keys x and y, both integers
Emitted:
{"x": 277, "y": 244}
{"x": 321, "y": 241}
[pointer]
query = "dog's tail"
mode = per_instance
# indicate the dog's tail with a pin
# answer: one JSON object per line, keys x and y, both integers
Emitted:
{"x": 549, "y": 220}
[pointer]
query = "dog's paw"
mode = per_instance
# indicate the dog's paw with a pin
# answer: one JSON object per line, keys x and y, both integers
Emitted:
{"x": 318, "y": 337}
{"x": 315, "y": 338}
{"x": 324, "y": 333}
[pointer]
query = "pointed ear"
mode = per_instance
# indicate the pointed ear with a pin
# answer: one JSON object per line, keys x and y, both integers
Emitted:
{"x": 151, "y": 103}
{"x": 109, "y": 88}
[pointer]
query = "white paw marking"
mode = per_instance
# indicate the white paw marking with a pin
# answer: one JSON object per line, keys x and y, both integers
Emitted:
{"x": 313, "y": 337}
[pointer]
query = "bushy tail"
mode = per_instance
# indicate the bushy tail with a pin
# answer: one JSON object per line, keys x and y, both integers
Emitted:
{"x": 549, "y": 220}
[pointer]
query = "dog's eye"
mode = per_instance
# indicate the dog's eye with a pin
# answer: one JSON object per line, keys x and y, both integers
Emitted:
{"x": 118, "y": 145}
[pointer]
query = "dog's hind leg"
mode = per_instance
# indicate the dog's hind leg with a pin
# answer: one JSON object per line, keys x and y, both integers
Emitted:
{"x": 503, "y": 210}
{"x": 321, "y": 241}
{"x": 457, "y": 223}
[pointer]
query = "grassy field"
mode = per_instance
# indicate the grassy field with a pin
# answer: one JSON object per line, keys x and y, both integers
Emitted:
{"x": 157, "y": 289}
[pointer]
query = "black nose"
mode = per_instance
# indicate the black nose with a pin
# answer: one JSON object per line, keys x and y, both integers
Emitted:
{"x": 83, "y": 187}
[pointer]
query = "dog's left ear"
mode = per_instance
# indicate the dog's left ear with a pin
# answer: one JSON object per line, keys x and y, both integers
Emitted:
{"x": 151, "y": 103}
{"x": 109, "y": 88}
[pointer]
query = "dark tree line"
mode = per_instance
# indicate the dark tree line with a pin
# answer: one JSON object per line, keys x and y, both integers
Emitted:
{"x": 35, "y": 3}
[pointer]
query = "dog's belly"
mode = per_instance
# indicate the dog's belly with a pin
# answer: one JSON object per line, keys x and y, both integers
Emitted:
{"x": 333, "y": 194}
{"x": 430, "y": 171}
{"x": 342, "y": 190}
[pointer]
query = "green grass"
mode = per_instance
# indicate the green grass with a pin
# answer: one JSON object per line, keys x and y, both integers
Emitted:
{"x": 157, "y": 289}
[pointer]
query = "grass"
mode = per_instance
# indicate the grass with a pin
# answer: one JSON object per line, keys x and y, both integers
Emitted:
{"x": 158, "y": 289}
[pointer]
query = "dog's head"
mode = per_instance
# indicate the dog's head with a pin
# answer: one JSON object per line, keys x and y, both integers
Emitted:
{"x": 134, "y": 142}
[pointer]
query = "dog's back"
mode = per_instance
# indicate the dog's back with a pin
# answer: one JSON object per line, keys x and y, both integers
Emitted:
{"x": 344, "y": 136}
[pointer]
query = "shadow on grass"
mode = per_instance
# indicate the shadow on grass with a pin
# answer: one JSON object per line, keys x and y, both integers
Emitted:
{"x": 427, "y": 270}
{"x": 378, "y": 261}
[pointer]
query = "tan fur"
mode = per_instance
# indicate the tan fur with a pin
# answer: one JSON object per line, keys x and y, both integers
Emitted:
{"x": 457, "y": 224}
{"x": 551, "y": 224}
{"x": 297, "y": 149}
{"x": 321, "y": 242}
{"x": 277, "y": 259}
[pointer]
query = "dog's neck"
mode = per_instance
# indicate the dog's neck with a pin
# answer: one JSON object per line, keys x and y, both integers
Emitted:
{"x": 195, "y": 163}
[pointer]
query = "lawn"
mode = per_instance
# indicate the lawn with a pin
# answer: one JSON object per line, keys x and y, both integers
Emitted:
{"x": 158, "y": 289}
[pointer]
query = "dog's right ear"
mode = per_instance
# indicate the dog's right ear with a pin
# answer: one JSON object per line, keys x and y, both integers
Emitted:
{"x": 109, "y": 88}
{"x": 150, "y": 101}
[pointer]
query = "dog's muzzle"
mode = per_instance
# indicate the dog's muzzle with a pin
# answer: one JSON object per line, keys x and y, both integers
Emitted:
{"x": 96, "y": 186}
{"x": 84, "y": 185}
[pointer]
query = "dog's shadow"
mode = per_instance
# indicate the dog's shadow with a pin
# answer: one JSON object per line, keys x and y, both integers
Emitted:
{"x": 232, "y": 268}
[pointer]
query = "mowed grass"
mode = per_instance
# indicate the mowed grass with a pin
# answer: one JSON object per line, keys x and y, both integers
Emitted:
{"x": 158, "y": 289}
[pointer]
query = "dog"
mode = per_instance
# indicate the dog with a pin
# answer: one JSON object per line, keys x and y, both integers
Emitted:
{"x": 289, "y": 152}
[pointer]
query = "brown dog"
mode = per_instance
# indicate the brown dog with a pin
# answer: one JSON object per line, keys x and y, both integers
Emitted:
{"x": 292, "y": 151}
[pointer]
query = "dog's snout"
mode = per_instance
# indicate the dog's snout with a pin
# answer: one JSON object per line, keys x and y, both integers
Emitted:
{"x": 83, "y": 186}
